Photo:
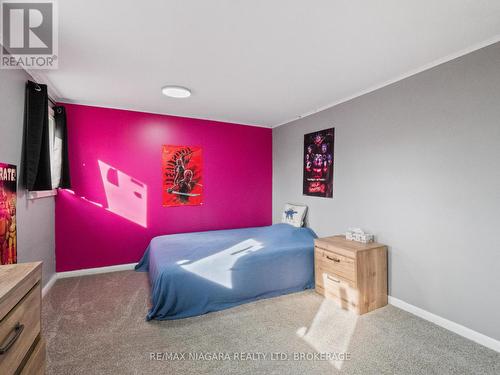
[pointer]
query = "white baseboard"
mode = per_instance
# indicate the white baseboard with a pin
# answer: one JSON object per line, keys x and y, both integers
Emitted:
{"x": 84, "y": 272}
{"x": 49, "y": 285}
{"x": 468, "y": 333}
{"x": 93, "y": 271}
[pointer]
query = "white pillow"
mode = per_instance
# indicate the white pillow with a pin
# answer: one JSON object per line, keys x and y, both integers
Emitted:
{"x": 294, "y": 215}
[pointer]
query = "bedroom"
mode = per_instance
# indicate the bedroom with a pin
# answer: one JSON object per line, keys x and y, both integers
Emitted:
{"x": 227, "y": 150}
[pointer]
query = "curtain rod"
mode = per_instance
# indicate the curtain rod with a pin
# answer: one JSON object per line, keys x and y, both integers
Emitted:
{"x": 38, "y": 89}
{"x": 30, "y": 74}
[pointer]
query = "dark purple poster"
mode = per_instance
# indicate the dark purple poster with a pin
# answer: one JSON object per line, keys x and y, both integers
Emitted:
{"x": 318, "y": 163}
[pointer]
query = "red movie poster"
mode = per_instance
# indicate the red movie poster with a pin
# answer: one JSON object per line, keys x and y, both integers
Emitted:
{"x": 182, "y": 176}
{"x": 318, "y": 163}
{"x": 8, "y": 197}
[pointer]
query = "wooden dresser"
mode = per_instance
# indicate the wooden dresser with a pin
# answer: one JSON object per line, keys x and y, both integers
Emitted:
{"x": 22, "y": 350}
{"x": 351, "y": 273}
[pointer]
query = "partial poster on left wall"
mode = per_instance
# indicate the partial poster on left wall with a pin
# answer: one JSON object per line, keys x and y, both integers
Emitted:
{"x": 182, "y": 176}
{"x": 8, "y": 200}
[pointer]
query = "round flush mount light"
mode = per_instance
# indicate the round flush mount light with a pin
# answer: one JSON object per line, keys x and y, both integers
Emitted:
{"x": 176, "y": 92}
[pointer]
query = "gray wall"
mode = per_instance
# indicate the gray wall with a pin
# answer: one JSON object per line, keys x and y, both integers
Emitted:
{"x": 35, "y": 219}
{"x": 418, "y": 164}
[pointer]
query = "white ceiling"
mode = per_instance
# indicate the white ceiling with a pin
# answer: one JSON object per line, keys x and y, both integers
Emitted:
{"x": 260, "y": 62}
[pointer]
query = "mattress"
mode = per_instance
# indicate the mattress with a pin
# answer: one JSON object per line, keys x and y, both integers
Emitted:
{"x": 196, "y": 273}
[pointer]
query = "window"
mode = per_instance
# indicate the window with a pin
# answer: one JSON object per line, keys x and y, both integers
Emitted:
{"x": 55, "y": 146}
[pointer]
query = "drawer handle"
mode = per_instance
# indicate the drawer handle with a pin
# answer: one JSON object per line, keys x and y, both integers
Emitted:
{"x": 334, "y": 259}
{"x": 18, "y": 329}
{"x": 332, "y": 279}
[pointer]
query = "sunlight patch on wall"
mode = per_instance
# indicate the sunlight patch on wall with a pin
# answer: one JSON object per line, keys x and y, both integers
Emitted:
{"x": 125, "y": 195}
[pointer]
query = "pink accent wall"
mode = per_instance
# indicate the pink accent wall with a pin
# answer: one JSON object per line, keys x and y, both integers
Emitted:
{"x": 115, "y": 206}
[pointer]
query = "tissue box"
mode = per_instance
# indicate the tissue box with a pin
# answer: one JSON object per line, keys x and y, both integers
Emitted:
{"x": 359, "y": 235}
{"x": 365, "y": 238}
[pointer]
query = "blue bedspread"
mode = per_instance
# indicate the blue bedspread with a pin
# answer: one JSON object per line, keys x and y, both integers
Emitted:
{"x": 195, "y": 273}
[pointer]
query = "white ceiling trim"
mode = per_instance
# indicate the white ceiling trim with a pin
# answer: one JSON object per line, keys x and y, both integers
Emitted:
{"x": 89, "y": 104}
{"x": 41, "y": 78}
{"x": 255, "y": 62}
{"x": 401, "y": 77}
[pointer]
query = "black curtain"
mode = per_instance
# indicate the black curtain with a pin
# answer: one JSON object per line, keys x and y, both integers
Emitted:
{"x": 62, "y": 132}
{"x": 37, "y": 174}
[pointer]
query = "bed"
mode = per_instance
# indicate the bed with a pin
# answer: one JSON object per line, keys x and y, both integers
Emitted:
{"x": 196, "y": 273}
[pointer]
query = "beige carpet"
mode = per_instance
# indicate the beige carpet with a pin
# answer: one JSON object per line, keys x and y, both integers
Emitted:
{"x": 95, "y": 325}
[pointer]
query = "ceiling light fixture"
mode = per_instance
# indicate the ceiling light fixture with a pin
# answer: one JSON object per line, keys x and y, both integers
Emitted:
{"x": 176, "y": 92}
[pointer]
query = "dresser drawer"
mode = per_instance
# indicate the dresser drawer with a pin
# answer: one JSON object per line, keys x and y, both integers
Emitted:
{"x": 35, "y": 365}
{"x": 16, "y": 280}
{"x": 20, "y": 326}
{"x": 336, "y": 264}
{"x": 351, "y": 305}
{"x": 336, "y": 286}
